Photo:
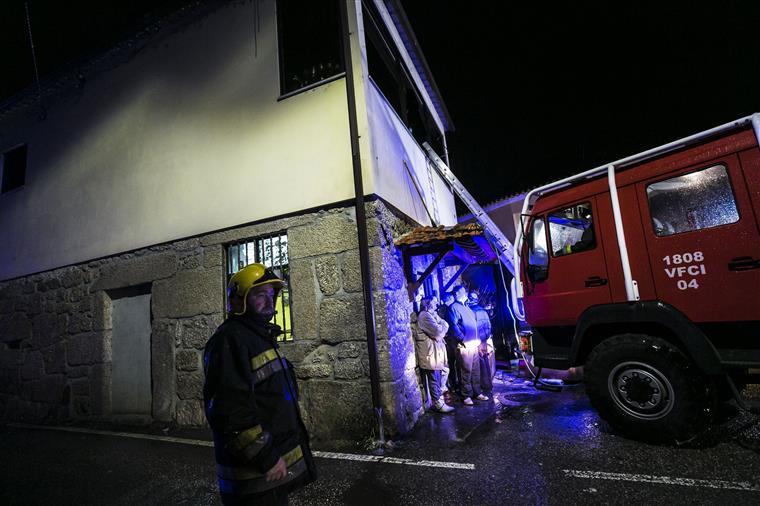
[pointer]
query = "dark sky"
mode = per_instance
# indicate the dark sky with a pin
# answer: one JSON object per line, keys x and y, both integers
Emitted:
{"x": 536, "y": 90}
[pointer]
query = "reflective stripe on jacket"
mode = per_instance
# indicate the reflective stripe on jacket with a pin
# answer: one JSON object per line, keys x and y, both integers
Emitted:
{"x": 251, "y": 404}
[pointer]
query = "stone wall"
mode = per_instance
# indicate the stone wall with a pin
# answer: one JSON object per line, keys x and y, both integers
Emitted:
{"x": 330, "y": 350}
{"x": 55, "y": 334}
{"x": 55, "y": 327}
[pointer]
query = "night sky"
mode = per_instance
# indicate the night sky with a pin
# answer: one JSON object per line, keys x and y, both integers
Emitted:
{"x": 537, "y": 91}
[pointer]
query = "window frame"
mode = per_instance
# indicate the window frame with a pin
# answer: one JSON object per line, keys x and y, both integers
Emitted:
{"x": 254, "y": 247}
{"x": 281, "y": 36}
{"x": 549, "y": 224}
{"x": 3, "y": 161}
{"x": 531, "y": 267}
{"x": 717, "y": 164}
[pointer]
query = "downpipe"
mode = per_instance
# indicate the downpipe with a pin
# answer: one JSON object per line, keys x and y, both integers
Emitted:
{"x": 361, "y": 225}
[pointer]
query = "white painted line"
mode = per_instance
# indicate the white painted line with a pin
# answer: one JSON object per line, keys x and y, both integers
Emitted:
{"x": 168, "y": 439}
{"x": 393, "y": 460}
{"x": 200, "y": 442}
{"x": 665, "y": 480}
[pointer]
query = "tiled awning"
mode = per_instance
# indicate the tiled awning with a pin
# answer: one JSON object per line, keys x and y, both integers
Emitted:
{"x": 465, "y": 241}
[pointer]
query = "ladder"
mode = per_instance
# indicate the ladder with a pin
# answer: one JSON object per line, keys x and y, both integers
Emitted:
{"x": 503, "y": 246}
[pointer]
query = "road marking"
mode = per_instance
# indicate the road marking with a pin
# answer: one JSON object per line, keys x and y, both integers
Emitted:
{"x": 168, "y": 439}
{"x": 200, "y": 442}
{"x": 665, "y": 480}
{"x": 393, "y": 460}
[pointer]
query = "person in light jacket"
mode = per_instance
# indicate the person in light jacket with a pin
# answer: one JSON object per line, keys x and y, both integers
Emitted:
{"x": 431, "y": 351}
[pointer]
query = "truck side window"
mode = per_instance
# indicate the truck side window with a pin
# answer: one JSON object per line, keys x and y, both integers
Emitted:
{"x": 538, "y": 256}
{"x": 572, "y": 229}
{"x": 693, "y": 201}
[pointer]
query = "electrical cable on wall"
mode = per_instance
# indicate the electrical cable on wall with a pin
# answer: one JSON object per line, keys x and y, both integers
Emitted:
{"x": 256, "y": 28}
{"x": 43, "y": 112}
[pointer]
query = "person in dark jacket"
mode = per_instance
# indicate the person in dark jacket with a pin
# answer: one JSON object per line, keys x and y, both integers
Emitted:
{"x": 486, "y": 348}
{"x": 250, "y": 397}
{"x": 452, "y": 383}
{"x": 464, "y": 328}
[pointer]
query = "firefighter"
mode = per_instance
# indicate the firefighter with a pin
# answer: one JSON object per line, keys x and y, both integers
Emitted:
{"x": 250, "y": 397}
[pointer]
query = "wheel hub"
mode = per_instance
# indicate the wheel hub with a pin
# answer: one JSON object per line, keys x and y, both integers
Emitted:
{"x": 641, "y": 390}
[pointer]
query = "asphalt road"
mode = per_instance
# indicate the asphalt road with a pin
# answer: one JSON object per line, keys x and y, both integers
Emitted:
{"x": 529, "y": 447}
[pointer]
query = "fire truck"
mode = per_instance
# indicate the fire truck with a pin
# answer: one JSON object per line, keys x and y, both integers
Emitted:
{"x": 646, "y": 272}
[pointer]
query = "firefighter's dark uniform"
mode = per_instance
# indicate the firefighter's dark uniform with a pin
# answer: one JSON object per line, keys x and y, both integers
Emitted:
{"x": 251, "y": 404}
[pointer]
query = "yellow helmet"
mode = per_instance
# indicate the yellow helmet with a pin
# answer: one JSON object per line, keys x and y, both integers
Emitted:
{"x": 248, "y": 277}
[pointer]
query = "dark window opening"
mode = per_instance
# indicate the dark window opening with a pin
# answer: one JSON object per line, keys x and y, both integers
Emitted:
{"x": 14, "y": 168}
{"x": 389, "y": 73}
{"x": 309, "y": 35}
{"x": 272, "y": 251}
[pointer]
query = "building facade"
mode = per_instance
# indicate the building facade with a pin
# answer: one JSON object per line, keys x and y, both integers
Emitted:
{"x": 216, "y": 137}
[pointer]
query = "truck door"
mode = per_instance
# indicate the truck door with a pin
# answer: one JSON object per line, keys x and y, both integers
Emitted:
{"x": 575, "y": 273}
{"x": 703, "y": 241}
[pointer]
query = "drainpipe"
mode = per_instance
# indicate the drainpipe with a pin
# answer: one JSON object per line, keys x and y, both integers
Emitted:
{"x": 361, "y": 223}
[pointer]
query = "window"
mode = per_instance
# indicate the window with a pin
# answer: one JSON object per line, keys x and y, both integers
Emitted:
{"x": 272, "y": 251}
{"x": 391, "y": 76}
{"x": 13, "y": 165}
{"x": 572, "y": 230}
{"x": 538, "y": 255}
{"x": 310, "y": 43}
{"x": 694, "y": 201}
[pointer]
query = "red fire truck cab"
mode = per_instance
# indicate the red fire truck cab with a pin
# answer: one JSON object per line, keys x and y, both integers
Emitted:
{"x": 646, "y": 272}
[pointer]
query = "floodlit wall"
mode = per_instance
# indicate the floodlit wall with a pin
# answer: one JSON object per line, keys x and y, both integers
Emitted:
{"x": 392, "y": 146}
{"x": 388, "y": 144}
{"x": 186, "y": 136}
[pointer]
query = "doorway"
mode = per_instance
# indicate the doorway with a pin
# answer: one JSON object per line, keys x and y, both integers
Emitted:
{"x": 131, "y": 355}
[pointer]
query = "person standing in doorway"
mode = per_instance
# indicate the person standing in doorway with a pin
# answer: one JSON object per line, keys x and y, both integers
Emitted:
{"x": 250, "y": 398}
{"x": 464, "y": 328}
{"x": 431, "y": 351}
{"x": 451, "y": 383}
{"x": 487, "y": 357}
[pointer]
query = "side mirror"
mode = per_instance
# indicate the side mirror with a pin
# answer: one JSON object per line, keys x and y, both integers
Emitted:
{"x": 537, "y": 273}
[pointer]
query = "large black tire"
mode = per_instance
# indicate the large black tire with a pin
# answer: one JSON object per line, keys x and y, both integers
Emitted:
{"x": 648, "y": 390}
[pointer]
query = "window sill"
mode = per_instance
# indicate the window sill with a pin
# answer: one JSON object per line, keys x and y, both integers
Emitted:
{"x": 311, "y": 86}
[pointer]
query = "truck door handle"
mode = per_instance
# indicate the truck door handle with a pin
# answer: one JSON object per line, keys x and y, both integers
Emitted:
{"x": 743, "y": 264}
{"x": 595, "y": 281}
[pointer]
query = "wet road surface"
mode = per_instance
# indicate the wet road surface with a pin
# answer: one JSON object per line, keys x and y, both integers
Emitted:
{"x": 527, "y": 447}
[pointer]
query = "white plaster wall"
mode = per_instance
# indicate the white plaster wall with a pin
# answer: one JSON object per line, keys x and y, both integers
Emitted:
{"x": 185, "y": 138}
{"x": 392, "y": 144}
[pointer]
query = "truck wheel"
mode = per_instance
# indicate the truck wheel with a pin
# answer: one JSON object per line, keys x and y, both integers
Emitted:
{"x": 648, "y": 389}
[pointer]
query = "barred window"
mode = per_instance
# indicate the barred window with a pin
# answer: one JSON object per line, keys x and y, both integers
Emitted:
{"x": 309, "y": 35}
{"x": 272, "y": 251}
